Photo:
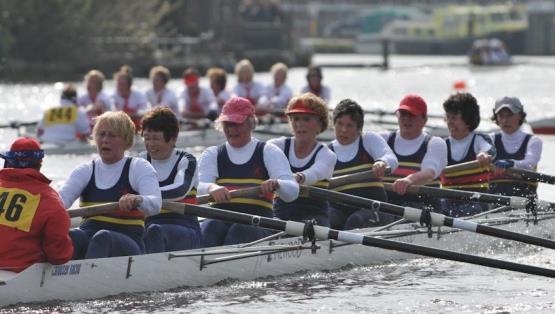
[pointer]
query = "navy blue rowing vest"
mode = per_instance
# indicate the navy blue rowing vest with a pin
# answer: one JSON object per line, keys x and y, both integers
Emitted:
{"x": 250, "y": 174}
{"x": 166, "y": 216}
{"x": 309, "y": 206}
{"x": 93, "y": 195}
{"x": 507, "y": 185}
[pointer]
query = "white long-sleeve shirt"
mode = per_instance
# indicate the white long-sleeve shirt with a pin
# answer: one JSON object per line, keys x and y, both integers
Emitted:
{"x": 165, "y": 97}
{"x": 64, "y": 123}
{"x": 512, "y": 142}
{"x": 459, "y": 148}
{"x": 274, "y": 160}
{"x": 136, "y": 102}
{"x": 181, "y": 185}
{"x": 323, "y": 166}
{"x": 206, "y": 100}
{"x": 275, "y": 98}
{"x": 374, "y": 144}
{"x": 142, "y": 178}
{"x": 436, "y": 154}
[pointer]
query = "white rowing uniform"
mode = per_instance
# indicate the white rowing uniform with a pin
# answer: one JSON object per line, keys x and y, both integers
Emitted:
{"x": 164, "y": 97}
{"x": 251, "y": 91}
{"x": 64, "y": 123}
{"x": 142, "y": 178}
{"x": 275, "y": 98}
{"x": 86, "y": 100}
{"x": 275, "y": 162}
{"x": 203, "y": 103}
{"x": 135, "y": 104}
{"x": 512, "y": 143}
{"x": 373, "y": 144}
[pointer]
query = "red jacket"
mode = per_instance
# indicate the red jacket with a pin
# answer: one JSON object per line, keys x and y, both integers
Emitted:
{"x": 33, "y": 222}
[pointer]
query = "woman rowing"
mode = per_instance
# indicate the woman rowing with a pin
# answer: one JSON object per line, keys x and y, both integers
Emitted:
{"x": 198, "y": 101}
{"x": 462, "y": 115}
{"x": 276, "y": 95}
{"x": 178, "y": 178}
{"x": 159, "y": 94}
{"x": 314, "y": 84}
{"x": 113, "y": 177}
{"x": 246, "y": 86}
{"x": 358, "y": 152}
{"x": 126, "y": 98}
{"x": 515, "y": 149}
{"x": 421, "y": 157}
{"x": 95, "y": 102}
{"x": 311, "y": 161}
{"x": 242, "y": 162}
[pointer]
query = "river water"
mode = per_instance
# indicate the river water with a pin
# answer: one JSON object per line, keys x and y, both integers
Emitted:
{"x": 418, "y": 286}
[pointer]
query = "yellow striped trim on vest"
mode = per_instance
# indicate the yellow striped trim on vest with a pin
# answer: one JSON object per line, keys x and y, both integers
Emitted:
{"x": 114, "y": 220}
{"x": 353, "y": 169}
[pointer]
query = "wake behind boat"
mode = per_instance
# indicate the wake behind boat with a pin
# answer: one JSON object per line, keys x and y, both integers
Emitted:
{"x": 273, "y": 256}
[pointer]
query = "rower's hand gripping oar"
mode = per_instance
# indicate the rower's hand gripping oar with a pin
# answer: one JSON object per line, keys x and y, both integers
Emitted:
{"x": 253, "y": 191}
{"x": 415, "y": 215}
{"x": 324, "y": 233}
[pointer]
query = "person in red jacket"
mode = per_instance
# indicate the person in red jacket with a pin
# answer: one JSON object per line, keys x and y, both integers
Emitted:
{"x": 33, "y": 222}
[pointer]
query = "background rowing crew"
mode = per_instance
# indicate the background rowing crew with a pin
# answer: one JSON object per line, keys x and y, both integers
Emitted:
{"x": 34, "y": 222}
{"x": 75, "y": 116}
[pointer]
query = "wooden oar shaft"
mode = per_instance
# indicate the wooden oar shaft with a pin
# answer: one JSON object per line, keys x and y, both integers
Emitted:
{"x": 513, "y": 201}
{"x": 207, "y": 198}
{"x": 93, "y": 210}
{"x": 323, "y": 233}
{"x": 416, "y": 215}
{"x": 353, "y": 178}
{"x": 461, "y": 167}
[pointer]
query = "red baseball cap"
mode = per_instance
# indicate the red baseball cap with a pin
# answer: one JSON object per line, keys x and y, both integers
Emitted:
{"x": 191, "y": 79}
{"x": 236, "y": 110}
{"x": 414, "y": 104}
{"x": 24, "y": 144}
{"x": 300, "y": 107}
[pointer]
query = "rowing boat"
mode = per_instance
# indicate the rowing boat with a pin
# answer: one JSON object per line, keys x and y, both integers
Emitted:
{"x": 274, "y": 256}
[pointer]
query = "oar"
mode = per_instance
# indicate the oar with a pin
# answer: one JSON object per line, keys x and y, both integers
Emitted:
{"x": 93, "y": 210}
{"x": 531, "y": 176}
{"x": 353, "y": 178}
{"x": 416, "y": 215}
{"x": 324, "y": 233}
{"x": 253, "y": 191}
{"x": 461, "y": 167}
{"x": 512, "y": 201}
{"x": 17, "y": 124}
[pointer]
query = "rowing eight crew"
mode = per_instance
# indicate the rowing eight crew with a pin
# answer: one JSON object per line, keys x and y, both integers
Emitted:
{"x": 68, "y": 121}
{"x": 35, "y": 227}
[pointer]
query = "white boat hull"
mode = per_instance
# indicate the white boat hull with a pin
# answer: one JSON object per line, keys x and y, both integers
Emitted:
{"x": 95, "y": 278}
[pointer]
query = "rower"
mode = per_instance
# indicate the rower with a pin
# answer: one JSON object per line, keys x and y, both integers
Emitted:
{"x": 33, "y": 222}
{"x": 356, "y": 152}
{"x": 198, "y": 102}
{"x": 95, "y": 101}
{"x": 246, "y": 86}
{"x": 462, "y": 115}
{"x": 314, "y": 84}
{"x": 178, "y": 178}
{"x": 421, "y": 157}
{"x": 515, "y": 149}
{"x": 65, "y": 123}
{"x": 218, "y": 81}
{"x": 312, "y": 162}
{"x": 127, "y": 99}
{"x": 159, "y": 94}
{"x": 113, "y": 177}
{"x": 243, "y": 161}
{"x": 276, "y": 95}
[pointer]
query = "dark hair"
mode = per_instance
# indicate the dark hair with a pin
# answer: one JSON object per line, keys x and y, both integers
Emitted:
{"x": 467, "y": 106}
{"x": 314, "y": 69}
{"x": 162, "y": 119}
{"x": 69, "y": 93}
{"x": 352, "y": 109}
{"x": 520, "y": 122}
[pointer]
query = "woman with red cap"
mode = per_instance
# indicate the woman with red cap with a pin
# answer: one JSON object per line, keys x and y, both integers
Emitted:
{"x": 199, "y": 102}
{"x": 159, "y": 94}
{"x": 311, "y": 161}
{"x": 33, "y": 220}
{"x": 113, "y": 177}
{"x": 243, "y": 161}
{"x": 421, "y": 157}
